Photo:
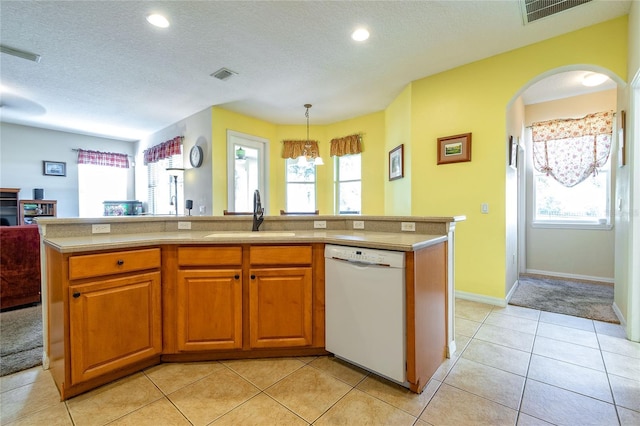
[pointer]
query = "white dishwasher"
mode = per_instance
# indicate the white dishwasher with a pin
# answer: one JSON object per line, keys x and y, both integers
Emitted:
{"x": 366, "y": 309}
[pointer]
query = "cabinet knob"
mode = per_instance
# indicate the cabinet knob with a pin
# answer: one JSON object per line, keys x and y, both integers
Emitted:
{"x": 253, "y": 277}
{"x": 76, "y": 295}
{"x": 237, "y": 277}
{"x": 120, "y": 262}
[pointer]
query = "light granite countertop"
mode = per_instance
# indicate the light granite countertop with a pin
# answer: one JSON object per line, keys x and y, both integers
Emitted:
{"x": 397, "y": 241}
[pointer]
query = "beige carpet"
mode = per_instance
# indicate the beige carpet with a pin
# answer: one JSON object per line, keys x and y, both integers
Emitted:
{"x": 577, "y": 298}
{"x": 20, "y": 339}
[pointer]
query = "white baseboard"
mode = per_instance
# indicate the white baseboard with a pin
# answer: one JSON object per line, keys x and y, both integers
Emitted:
{"x": 512, "y": 291}
{"x": 495, "y": 301}
{"x": 618, "y": 313}
{"x": 571, "y": 276}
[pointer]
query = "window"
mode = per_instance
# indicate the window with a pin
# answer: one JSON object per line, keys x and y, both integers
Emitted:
{"x": 247, "y": 170}
{"x": 348, "y": 184}
{"x": 572, "y": 171}
{"x": 587, "y": 203}
{"x": 97, "y": 184}
{"x": 161, "y": 191}
{"x": 301, "y": 186}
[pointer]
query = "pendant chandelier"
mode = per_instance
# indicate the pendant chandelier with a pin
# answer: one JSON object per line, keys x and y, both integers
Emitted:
{"x": 308, "y": 155}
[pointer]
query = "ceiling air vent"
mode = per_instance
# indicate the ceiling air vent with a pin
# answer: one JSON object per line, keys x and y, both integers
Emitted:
{"x": 532, "y": 10}
{"x": 223, "y": 74}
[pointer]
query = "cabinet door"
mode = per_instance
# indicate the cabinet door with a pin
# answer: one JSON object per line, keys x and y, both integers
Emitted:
{"x": 280, "y": 306}
{"x": 114, "y": 323}
{"x": 209, "y": 306}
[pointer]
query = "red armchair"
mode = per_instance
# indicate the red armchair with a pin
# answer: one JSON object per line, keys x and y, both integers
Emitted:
{"x": 19, "y": 265}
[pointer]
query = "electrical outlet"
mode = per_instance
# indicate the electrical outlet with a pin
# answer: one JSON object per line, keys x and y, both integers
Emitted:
{"x": 184, "y": 225}
{"x": 484, "y": 208}
{"x": 101, "y": 229}
{"x": 358, "y": 224}
{"x": 320, "y": 224}
{"x": 408, "y": 226}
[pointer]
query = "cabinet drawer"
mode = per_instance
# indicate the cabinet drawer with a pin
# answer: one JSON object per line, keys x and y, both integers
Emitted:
{"x": 209, "y": 256}
{"x": 280, "y": 255}
{"x": 95, "y": 265}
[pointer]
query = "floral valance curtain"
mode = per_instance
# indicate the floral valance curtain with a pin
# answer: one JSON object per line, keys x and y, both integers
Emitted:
{"x": 346, "y": 145}
{"x": 98, "y": 158}
{"x": 163, "y": 150}
{"x": 570, "y": 150}
{"x": 295, "y": 149}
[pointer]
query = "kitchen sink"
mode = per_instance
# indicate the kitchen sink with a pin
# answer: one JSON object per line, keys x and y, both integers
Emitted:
{"x": 261, "y": 234}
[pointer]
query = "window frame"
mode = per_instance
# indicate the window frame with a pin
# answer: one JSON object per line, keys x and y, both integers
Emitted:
{"x": 337, "y": 182}
{"x": 287, "y": 183}
{"x": 573, "y": 223}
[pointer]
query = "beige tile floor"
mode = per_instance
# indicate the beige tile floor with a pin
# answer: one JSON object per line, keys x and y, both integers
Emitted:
{"x": 513, "y": 366}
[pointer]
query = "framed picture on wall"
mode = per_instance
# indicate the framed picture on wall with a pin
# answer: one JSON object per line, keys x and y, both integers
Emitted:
{"x": 396, "y": 162}
{"x": 513, "y": 152}
{"x": 54, "y": 168}
{"x": 622, "y": 150}
{"x": 454, "y": 149}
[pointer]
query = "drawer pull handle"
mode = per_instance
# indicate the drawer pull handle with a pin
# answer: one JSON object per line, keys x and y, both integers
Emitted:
{"x": 120, "y": 262}
{"x": 237, "y": 277}
{"x": 253, "y": 277}
{"x": 76, "y": 295}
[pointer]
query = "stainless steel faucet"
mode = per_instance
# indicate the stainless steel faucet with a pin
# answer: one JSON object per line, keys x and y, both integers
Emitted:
{"x": 258, "y": 211}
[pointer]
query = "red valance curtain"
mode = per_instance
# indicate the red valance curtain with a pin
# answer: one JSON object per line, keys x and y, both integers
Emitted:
{"x": 295, "y": 149}
{"x": 570, "y": 150}
{"x": 98, "y": 158}
{"x": 346, "y": 145}
{"x": 163, "y": 150}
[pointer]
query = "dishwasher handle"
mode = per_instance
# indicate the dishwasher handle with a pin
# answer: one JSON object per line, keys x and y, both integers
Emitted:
{"x": 360, "y": 263}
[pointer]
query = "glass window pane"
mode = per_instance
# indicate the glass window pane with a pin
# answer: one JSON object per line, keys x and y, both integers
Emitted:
{"x": 350, "y": 167}
{"x": 585, "y": 202}
{"x": 300, "y": 173}
{"x": 350, "y": 197}
{"x": 301, "y": 197}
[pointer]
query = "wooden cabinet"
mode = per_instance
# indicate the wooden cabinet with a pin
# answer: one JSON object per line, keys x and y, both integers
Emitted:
{"x": 114, "y": 323}
{"x": 209, "y": 298}
{"x": 280, "y": 296}
{"x": 280, "y": 305}
{"x": 104, "y": 314}
{"x": 32, "y": 209}
{"x": 9, "y": 206}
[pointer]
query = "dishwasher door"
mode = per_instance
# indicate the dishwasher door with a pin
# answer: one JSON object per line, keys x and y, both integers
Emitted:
{"x": 366, "y": 312}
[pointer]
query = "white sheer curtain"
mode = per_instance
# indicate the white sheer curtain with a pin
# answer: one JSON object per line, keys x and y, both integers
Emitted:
{"x": 570, "y": 150}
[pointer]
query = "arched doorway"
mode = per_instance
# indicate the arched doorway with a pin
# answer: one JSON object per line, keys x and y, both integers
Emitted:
{"x": 552, "y": 95}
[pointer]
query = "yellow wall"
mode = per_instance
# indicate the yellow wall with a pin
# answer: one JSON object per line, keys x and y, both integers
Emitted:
{"x": 473, "y": 98}
{"x": 371, "y": 126}
{"x": 398, "y": 131}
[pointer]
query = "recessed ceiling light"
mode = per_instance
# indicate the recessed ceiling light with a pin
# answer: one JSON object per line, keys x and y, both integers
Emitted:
{"x": 360, "y": 34}
{"x": 158, "y": 20}
{"x": 593, "y": 79}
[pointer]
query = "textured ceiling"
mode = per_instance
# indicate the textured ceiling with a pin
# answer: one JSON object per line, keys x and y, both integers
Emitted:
{"x": 105, "y": 71}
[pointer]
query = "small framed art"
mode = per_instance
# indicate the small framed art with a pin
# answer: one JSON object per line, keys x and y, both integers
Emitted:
{"x": 54, "y": 168}
{"x": 454, "y": 149}
{"x": 513, "y": 152}
{"x": 396, "y": 162}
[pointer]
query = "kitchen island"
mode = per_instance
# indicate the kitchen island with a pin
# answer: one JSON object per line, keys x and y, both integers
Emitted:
{"x": 163, "y": 289}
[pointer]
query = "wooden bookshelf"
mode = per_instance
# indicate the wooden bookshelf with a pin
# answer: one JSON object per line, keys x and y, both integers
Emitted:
{"x": 9, "y": 205}
{"x": 31, "y": 209}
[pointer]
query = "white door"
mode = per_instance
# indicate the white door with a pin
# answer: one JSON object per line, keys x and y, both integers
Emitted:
{"x": 247, "y": 170}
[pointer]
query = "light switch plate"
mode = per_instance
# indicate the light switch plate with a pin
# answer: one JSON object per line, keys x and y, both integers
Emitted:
{"x": 184, "y": 225}
{"x": 103, "y": 228}
{"x": 320, "y": 224}
{"x": 484, "y": 208}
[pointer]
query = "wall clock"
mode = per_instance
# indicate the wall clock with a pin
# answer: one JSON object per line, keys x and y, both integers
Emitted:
{"x": 195, "y": 156}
